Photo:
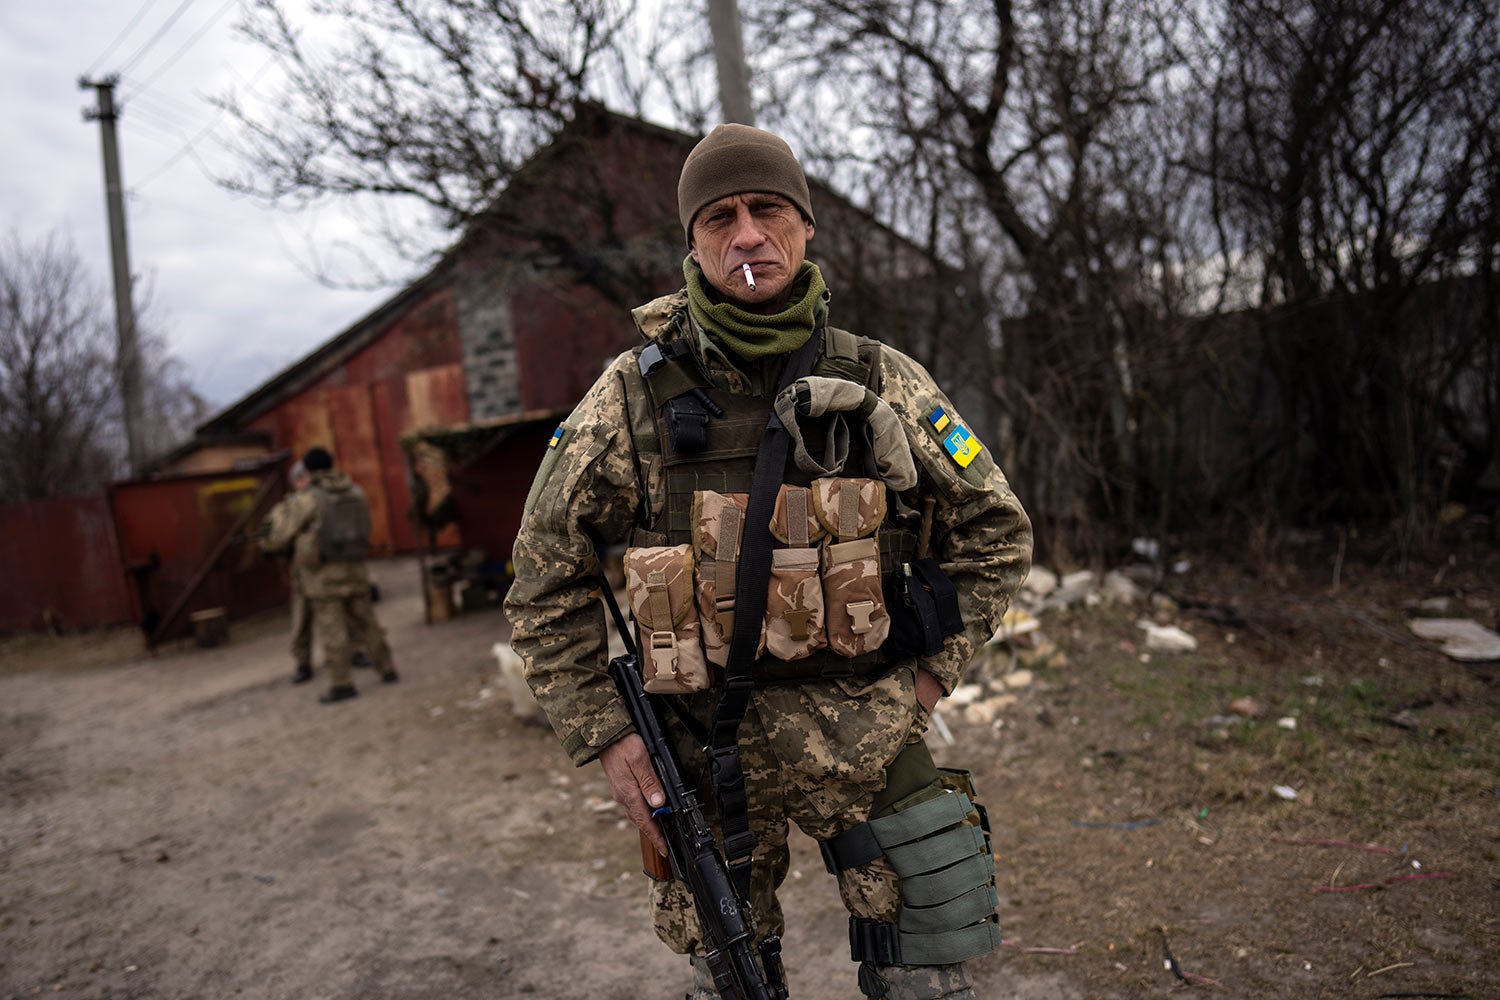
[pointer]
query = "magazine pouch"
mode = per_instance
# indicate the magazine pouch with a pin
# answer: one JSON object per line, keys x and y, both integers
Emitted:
{"x": 659, "y": 585}
{"x": 794, "y": 625}
{"x": 851, "y": 510}
{"x": 718, "y": 528}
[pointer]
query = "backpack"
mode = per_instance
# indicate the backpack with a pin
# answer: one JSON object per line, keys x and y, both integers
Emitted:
{"x": 343, "y": 525}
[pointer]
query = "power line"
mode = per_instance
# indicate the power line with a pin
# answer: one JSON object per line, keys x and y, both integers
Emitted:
{"x": 140, "y": 13}
{"x": 151, "y": 42}
{"x": 188, "y": 147}
{"x": 166, "y": 64}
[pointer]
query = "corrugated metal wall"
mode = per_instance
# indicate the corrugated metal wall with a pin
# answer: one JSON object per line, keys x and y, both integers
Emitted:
{"x": 171, "y": 527}
{"x": 59, "y": 565}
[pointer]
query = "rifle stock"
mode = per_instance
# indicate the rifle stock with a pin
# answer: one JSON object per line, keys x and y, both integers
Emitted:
{"x": 728, "y": 933}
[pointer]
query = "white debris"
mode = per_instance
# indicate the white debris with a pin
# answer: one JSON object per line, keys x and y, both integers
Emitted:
{"x": 1041, "y": 581}
{"x": 1121, "y": 589}
{"x": 1016, "y": 622}
{"x": 982, "y": 713}
{"x": 1017, "y": 679}
{"x": 1287, "y": 722}
{"x": 1146, "y": 548}
{"x": 1285, "y": 791}
{"x": 965, "y": 694}
{"x": 1166, "y": 638}
{"x": 1462, "y": 638}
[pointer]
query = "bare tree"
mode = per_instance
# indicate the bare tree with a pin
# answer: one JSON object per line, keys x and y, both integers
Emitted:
{"x": 1022, "y": 142}
{"x": 60, "y": 427}
{"x": 1352, "y": 149}
{"x": 435, "y": 104}
{"x": 57, "y": 394}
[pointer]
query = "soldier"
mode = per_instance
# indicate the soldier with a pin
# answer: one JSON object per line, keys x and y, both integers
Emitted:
{"x": 859, "y": 635}
{"x": 327, "y": 528}
{"x": 298, "y": 479}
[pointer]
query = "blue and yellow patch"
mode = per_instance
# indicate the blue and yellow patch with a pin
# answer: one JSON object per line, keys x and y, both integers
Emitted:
{"x": 961, "y": 446}
{"x": 557, "y": 436}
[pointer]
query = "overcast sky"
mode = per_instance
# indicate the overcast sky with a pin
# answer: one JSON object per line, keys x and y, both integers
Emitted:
{"x": 230, "y": 280}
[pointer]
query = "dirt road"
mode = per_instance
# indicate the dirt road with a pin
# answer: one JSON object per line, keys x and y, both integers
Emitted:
{"x": 191, "y": 825}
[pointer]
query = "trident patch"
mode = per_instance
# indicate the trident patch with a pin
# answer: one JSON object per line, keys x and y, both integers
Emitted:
{"x": 961, "y": 446}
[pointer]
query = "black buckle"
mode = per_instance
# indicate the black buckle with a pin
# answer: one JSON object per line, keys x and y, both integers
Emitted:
{"x": 873, "y": 941}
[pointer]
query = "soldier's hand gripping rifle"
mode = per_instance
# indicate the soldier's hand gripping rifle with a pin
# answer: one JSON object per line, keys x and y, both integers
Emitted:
{"x": 740, "y": 971}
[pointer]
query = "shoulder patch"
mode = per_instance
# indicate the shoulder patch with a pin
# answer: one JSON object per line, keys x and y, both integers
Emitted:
{"x": 558, "y": 436}
{"x": 961, "y": 445}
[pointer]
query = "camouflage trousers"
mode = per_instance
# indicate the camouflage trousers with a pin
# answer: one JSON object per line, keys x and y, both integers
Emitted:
{"x": 302, "y": 622}
{"x": 813, "y": 754}
{"x": 340, "y": 620}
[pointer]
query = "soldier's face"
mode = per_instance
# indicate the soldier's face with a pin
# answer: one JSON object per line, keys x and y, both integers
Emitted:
{"x": 763, "y": 230}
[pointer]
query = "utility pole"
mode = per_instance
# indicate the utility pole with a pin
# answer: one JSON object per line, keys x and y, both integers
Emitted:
{"x": 127, "y": 352}
{"x": 729, "y": 53}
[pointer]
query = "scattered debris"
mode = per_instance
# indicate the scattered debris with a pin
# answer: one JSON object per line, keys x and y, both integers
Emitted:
{"x": 1462, "y": 638}
{"x": 1012, "y": 943}
{"x": 1170, "y": 963}
{"x": 1285, "y": 791}
{"x": 1041, "y": 581}
{"x": 1287, "y": 722}
{"x": 1166, "y": 638}
{"x": 1118, "y": 588}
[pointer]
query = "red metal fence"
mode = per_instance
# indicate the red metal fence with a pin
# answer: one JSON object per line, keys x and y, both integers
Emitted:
{"x": 60, "y": 565}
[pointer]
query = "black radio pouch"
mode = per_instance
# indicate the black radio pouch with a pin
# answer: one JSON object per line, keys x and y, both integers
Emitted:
{"x": 923, "y": 605}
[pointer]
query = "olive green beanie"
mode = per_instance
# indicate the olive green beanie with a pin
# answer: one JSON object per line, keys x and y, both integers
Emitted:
{"x": 735, "y": 159}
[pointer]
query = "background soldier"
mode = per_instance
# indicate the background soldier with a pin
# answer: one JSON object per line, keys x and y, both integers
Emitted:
{"x": 831, "y": 738}
{"x": 327, "y": 528}
{"x": 298, "y": 479}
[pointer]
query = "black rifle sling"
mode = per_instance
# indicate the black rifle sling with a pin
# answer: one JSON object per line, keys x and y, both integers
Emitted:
{"x": 750, "y": 585}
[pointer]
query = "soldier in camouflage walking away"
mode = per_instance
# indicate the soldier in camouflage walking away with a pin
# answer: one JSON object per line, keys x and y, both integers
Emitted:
{"x": 897, "y": 545}
{"x": 327, "y": 529}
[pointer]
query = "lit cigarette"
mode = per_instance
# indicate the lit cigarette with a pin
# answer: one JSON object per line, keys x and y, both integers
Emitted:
{"x": 749, "y": 276}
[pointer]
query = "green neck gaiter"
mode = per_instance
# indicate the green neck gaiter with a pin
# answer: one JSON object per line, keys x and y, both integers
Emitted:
{"x": 751, "y": 335}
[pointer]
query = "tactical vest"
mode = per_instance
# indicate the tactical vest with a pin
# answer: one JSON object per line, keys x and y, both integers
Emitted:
{"x": 725, "y": 465}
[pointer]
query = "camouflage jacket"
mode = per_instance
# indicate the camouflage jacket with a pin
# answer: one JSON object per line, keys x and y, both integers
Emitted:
{"x": 293, "y": 524}
{"x": 982, "y": 538}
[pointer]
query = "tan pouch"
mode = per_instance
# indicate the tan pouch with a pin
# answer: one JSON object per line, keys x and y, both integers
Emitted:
{"x": 793, "y": 625}
{"x": 794, "y": 521}
{"x": 794, "y": 605}
{"x": 659, "y": 585}
{"x": 857, "y": 620}
{"x": 718, "y": 529}
{"x": 849, "y": 508}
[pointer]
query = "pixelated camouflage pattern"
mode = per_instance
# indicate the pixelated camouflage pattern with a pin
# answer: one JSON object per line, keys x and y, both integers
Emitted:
{"x": 828, "y": 503}
{"x": 294, "y": 527}
{"x": 854, "y": 606}
{"x": 794, "y": 623}
{"x": 926, "y": 982}
{"x": 659, "y": 586}
{"x": 981, "y": 535}
{"x": 814, "y": 754}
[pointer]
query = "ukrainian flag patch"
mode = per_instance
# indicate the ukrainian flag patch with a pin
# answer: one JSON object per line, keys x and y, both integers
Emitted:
{"x": 557, "y": 436}
{"x": 962, "y": 446}
{"x": 939, "y": 420}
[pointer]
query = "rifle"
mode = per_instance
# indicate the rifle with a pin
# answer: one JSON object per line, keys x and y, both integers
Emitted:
{"x": 728, "y": 928}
